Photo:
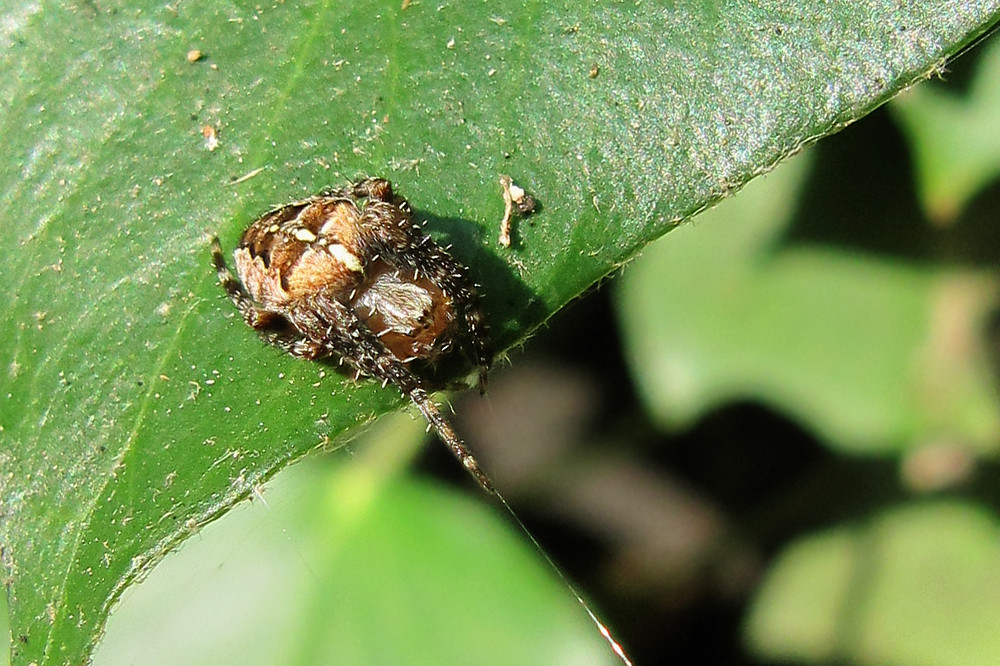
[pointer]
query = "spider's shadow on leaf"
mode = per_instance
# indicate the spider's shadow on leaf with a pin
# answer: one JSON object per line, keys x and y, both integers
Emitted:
{"x": 509, "y": 305}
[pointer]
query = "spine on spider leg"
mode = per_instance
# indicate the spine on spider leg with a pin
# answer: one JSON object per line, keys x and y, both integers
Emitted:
{"x": 234, "y": 288}
{"x": 451, "y": 439}
{"x": 226, "y": 279}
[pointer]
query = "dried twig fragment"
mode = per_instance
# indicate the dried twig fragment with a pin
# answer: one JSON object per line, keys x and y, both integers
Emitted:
{"x": 514, "y": 199}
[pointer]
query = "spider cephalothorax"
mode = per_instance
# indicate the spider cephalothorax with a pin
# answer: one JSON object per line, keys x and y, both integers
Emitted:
{"x": 347, "y": 274}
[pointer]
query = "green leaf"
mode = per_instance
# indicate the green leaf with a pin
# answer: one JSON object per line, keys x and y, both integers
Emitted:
{"x": 871, "y": 353}
{"x": 917, "y": 585}
{"x": 341, "y": 564}
{"x": 135, "y": 408}
{"x": 955, "y": 138}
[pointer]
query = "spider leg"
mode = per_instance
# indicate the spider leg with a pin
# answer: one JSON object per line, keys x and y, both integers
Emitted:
{"x": 379, "y": 190}
{"x": 478, "y": 340}
{"x": 271, "y": 326}
{"x": 450, "y": 276}
{"x": 234, "y": 288}
{"x": 326, "y": 318}
{"x": 376, "y": 190}
{"x": 451, "y": 439}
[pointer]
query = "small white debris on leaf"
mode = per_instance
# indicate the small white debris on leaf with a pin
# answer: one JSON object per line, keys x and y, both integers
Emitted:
{"x": 211, "y": 140}
{"x": 515, "y": 199}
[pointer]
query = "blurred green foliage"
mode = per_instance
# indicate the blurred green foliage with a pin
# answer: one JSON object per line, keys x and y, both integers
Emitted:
{"x": 876, "y": 348}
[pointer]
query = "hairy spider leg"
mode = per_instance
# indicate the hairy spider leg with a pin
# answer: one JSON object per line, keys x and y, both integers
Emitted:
{"x": 272, "y": 327}
{"x": 365, "y": 352}
{"x": 451, "y": 439}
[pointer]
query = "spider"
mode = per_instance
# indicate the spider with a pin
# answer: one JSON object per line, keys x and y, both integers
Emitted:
{"x": 347, "y": 274}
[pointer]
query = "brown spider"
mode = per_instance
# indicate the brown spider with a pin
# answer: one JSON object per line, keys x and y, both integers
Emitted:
{"x": 347, "y": 274}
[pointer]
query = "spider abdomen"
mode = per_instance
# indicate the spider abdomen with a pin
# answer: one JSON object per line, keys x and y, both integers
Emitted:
{"x": 412, "y": 316}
